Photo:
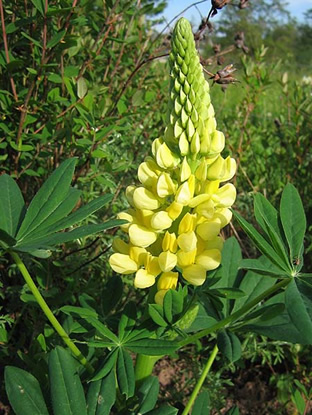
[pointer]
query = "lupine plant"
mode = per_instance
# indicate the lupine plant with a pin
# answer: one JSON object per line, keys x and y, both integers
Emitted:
{"x": 198, "y": 284}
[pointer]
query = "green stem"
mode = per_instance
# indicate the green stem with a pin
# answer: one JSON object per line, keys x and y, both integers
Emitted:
{"x": 144, "y": 366}
{"x": 45, "y": 308}
{"x": 239, "y": 313}
{"x": 201, "y": 380}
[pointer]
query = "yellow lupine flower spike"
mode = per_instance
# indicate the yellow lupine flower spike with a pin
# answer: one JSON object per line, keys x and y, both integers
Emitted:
{"x": 180, "y": 205}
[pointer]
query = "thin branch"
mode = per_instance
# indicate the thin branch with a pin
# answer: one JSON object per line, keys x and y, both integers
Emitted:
{"x": 6, "y": 49}
{"x": 44, "y": 33}
{"x": 90, "y": 261}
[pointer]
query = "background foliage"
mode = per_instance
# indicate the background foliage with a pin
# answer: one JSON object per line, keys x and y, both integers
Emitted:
{"x": 79, "y": 78}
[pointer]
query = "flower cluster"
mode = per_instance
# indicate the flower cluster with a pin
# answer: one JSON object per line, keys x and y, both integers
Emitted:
{"x": 179, "y": 208}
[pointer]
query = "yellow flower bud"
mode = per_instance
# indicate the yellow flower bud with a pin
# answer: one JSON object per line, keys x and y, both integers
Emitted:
{"x": 201, "y": 171}
{"x": 165, "y": 185}
{"x": 174, "y": 210}
{"x": 167, "y": 281}
{"x": 164, "y": 157}
{"x": 183, "y": 145}
{"x": 217, "y": 142}
{"x": 187, "y": 223}
{"x": 225, "y": 196}
{"x": 169, "y": 242}
{"x": 185, "y": 170}
{"x": 217, "y": 169}
{"x": 147, "y": 173}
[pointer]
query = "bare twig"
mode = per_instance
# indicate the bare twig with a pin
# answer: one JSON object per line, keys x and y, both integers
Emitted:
{"x": 6, "y": 49}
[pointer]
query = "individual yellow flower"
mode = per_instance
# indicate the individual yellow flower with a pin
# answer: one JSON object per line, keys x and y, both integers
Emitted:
{"x": 181, "y": 204}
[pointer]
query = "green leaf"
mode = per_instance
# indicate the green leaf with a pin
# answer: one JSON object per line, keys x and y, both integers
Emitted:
{"x": 254, "y": 284}
{"x": 102, "y": 395}
{"x": 164, "y": 410}
{"x": 202, "y": 404}
{"x": 56, "y": 39}
{"x": 298, "y": 301}
{"x": 12, "y": 206}
{"x": 67, "y": 393}
{"x": 125, "y": 373}
{"x": 112, "y": 293}
{"x": 229, "y": 345}
{"x": 299, "y": 401}
{"x": 80, "y": 311}
{"x": 51, "y": 241}
{"x": 167, "y": 306}
{"x": 233, "y": 411}
{"x": 50, "y": 225}
{"x": 293, "y": 220}
{"x": 268, "y": 218}
{"x": 103, "y": 330}
{"x": 152, "y": 347}
{"x": 24, "y": 392}
{"x": 74, "y": 218}
{"x": 82, "y": 87}
{"x": 39, "y": 4}
{"x": 261, "y": 243}
{"x": 48, "y": 199}
{"x": 257, "y": 266}
{"x": 148, "y": 394}
{"x": 107, "y": 366}
{"x": 127, "y": 320}
{"x": 6, "y": 238}
{"x": 156, "y": 313}
{"x": 229, "y": 293}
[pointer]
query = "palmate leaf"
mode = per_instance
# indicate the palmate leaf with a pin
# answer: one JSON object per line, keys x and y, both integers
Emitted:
{"x": 24, "y": 392}
{"x": 268, "y": 218}
{"x": 125, "y": 373}
{"x": 202, "y": 404}
{"x": 12, "y": 206}
{"x": 101, "y": 395}
{"x": 293, "y": 220}
{"x": 49, "y": 197}
{"x": 50, "y": 241}
{"x": 264, "y": 247}
{"x": 148, "y": 394}
{"x": 229, "y": 345}
{"x": 67, "y": 393}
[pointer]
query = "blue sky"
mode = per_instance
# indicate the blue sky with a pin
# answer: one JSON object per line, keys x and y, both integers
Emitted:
{"x": 295, "y": 7}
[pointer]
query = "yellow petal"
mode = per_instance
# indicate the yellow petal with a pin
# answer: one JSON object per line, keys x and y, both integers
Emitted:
{"x": 120, "y": 246}
{"x": 167, "y": 261}
{"x": 195, "y": 274}
{"x": 209, "y": 259}
{"x": 161, "y": 220}
{"x": 141, "y": 236}
{"x": 187, "y": 241}
{"x": 164, "y": 157}
{"x": 147, "y": 174}
{"x": 144, "y": 199}
{"x": 186, "y": 191}
{"x": 143, "y": 279}
{"x": 209, "y": 230}
{"x": 201, "y": 171}
{"x": 155, "y": 146}
{"x": 217, "y": 142}
{"x": 225, "y": 196}
{"x": 187, "y": 223}
{"x": 206, "y": 209}
{"x": 159, "y": 297}
{"x": 168, "y": 281}
{"x": 216, "y": 243}
{"x": 174, "y": 210}
{"x": 225, "y": 216}
{"x": 199, "y": 199}
{"x": 129, "y": 194}
{"x": 125, "y": 216}
{"x": 186, "y": 258}
{"x": 152, "y": 265}
{"x": 169, "y": 242}
{"x": 183, "y": 144}
{"x": 122, "y": 264}
{"x": 217, "y": 169}
{"x": 165, "y": 185}
{"x": 137, "y": 254}
{"x": 230, "y": 169}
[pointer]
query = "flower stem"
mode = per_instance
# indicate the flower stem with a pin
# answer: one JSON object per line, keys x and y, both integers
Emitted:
{"x": 144, "y": 366}
{"x": 239, "y": 313}
{"x": 47, "y": 311}
{"x": 201, "y": 380}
